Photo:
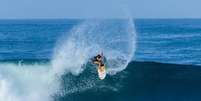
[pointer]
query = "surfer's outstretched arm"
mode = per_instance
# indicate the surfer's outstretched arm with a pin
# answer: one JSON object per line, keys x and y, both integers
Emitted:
{"x": 96, "y": 62}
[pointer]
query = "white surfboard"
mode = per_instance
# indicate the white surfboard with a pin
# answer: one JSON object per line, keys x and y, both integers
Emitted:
{"x": 102, "y": 73}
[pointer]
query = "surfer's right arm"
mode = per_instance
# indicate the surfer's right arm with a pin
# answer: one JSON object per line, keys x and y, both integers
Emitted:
{"x": 96, "y": 62}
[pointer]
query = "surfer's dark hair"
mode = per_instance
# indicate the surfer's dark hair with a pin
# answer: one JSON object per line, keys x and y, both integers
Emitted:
{"x": 98, "y": 56}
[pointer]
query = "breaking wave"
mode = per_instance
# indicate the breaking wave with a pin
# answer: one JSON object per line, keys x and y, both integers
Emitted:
{"x": 42, "y": 81}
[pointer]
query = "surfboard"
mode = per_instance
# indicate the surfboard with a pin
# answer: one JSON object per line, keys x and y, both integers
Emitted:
{"x": 101, "y": 72}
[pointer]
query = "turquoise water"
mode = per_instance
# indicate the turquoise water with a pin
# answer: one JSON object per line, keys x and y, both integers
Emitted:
{"x": 165, "y": 63}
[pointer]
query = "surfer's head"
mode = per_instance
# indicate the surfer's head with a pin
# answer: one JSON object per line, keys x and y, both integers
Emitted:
{"x": 98, "y": 57}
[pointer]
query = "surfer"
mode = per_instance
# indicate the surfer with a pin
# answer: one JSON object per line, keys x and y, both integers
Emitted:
{"x": 101, "y": 66}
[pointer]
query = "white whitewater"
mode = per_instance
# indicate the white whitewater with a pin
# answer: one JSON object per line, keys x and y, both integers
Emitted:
{"x": 27, "y": 82}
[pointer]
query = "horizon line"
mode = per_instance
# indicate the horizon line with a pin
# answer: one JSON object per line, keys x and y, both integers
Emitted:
{"x": 85, "y": 18}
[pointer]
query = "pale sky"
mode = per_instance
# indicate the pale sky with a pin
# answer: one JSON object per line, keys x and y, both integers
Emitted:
{"x": 39, "y": 9}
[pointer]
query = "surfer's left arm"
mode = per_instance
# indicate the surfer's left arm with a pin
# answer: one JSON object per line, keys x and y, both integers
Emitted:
{"x": 96, "y": 62}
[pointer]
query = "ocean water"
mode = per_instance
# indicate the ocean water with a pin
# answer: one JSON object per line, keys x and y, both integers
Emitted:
{"x": 148, "y": 60}
{"x": 169, "y": 41}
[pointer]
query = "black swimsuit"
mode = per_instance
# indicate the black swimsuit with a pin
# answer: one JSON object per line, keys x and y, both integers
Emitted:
{"x": 102, "y": 64}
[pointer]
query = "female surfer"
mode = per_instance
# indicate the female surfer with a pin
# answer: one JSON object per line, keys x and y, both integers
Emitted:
{"x": 99, "y": 61}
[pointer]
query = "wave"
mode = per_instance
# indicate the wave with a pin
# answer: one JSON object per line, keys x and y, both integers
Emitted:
{"x": 68, "y": 71}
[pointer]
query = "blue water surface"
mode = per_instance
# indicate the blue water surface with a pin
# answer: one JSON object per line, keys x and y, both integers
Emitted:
{"x": 161, "y": 40}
